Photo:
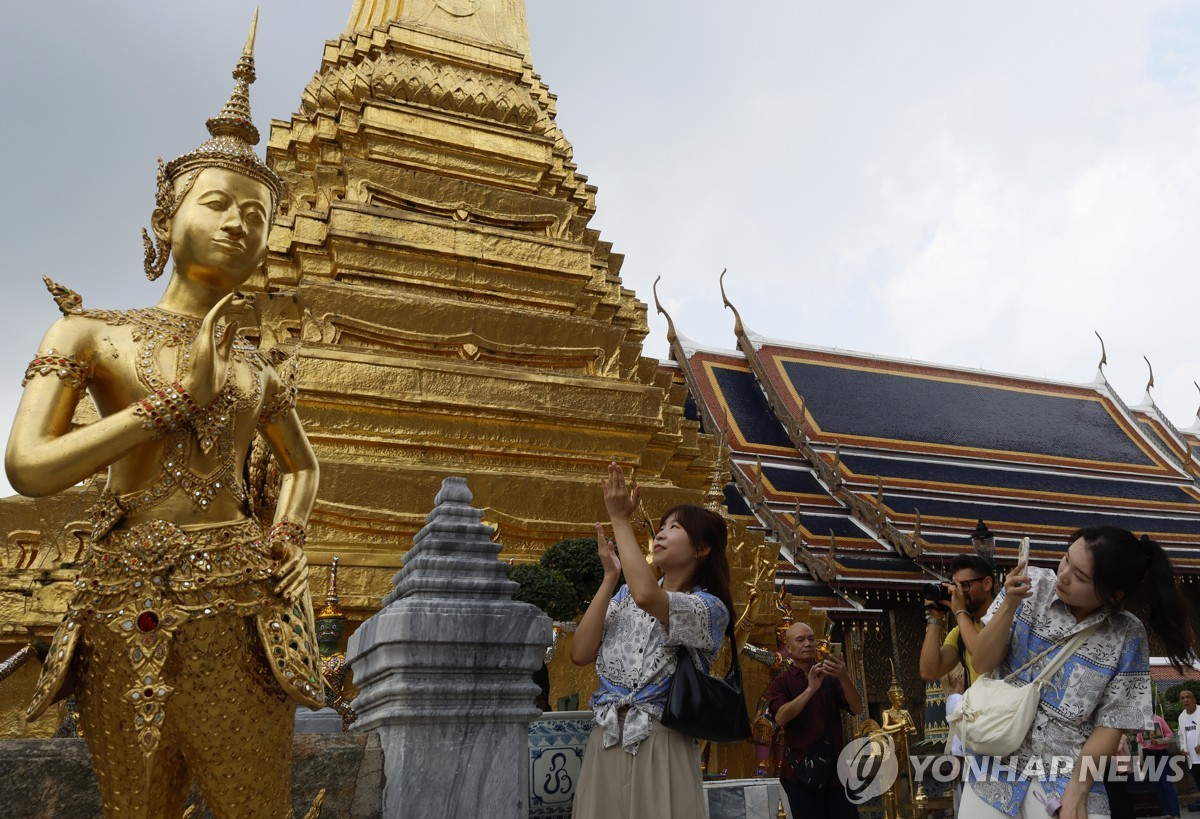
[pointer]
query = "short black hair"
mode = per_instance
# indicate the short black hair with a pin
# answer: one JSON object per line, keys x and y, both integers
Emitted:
{"x": 975, "y": 562}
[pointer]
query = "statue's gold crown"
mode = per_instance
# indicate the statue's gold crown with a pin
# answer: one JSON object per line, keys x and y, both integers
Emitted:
{"x": 331, "y": 608}
{"x": 233, "y": 136}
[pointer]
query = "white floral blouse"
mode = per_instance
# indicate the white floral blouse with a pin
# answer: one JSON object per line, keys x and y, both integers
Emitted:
{"x": 638, "y": 655}
{"x": 1105, "y": 683}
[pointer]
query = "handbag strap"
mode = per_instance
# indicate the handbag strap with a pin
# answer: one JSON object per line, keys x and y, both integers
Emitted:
{"x": 734, "y": 667}
{"x": 1068, "y": 650}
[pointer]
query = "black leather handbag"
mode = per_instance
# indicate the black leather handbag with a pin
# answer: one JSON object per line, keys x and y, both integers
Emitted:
{"x": 707, "y": 707}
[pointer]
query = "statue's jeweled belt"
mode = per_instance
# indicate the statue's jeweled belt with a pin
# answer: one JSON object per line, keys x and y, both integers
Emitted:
{"x": 144, "y": 583}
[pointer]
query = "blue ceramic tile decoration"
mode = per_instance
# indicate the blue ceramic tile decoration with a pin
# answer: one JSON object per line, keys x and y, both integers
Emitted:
{"x": 556, "y": 742}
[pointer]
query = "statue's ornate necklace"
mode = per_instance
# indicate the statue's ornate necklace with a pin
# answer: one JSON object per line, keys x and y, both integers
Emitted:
{"x": 213, "y": 430}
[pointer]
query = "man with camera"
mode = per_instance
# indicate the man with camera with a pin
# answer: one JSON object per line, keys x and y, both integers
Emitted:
{"x": 965, "y": 600}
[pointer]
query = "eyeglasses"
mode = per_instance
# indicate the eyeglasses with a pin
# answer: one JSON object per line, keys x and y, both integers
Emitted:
{"x": 965, "y": 585}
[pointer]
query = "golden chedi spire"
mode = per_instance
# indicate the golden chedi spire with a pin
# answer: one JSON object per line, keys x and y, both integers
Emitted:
{"x": 491, "y": 22}
{"x": 367, "y": 14}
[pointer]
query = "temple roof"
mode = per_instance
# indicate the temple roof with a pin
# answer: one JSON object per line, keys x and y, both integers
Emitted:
{"x": 874, "y": 471}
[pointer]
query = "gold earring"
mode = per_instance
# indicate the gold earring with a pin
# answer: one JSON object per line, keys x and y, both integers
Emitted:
{"x": 156, "y": 257}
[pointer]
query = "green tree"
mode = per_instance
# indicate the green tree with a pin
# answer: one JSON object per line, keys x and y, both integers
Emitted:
{"x": 545, "y": 588}
{"x": 577, "y": 561}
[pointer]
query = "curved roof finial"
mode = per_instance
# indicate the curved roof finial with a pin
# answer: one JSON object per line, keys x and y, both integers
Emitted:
{"x": 1150, "y": 383}
{"x": 738, "y": 328}
{"x": 1197, "y": 386}
{"x": 1103, "y": 352}
{"x": 672, "y": 336}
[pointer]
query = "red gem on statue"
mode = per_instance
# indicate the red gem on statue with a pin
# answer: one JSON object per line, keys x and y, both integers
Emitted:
{"x": 147, "y": 621}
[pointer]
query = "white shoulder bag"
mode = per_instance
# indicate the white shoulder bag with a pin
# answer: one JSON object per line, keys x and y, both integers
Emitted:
{"x": 995, "y": 715}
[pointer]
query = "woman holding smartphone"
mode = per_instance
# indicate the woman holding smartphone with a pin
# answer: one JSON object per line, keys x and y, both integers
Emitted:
{"x": 1102, "y": 690}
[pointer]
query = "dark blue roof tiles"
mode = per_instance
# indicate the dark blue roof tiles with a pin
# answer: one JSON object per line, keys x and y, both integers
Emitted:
{"x": 881, "y": 562}
{"x": 987, "y": 476}
{"x": 868, "y": 568}
{"x": 819, "y": 526}
{"x": 850, "y": 401}
{"x": 735, "y": 503}
{"x": 806, "y": 588}
{"x": 1157, "y": 432}
{"x": 793, "y": 481}
{"x": 1013, "y": 518}
{"x": 748, "y": 408}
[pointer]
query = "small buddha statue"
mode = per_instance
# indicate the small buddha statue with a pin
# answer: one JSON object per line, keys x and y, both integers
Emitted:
{"x": 331, "y": 625}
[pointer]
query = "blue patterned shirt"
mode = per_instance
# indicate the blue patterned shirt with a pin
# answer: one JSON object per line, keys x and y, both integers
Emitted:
{"x": 638, "y": 655}
{"x": 1106, "y": 683}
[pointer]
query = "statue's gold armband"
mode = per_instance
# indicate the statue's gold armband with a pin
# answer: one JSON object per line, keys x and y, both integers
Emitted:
{"x": 66, "y": 367}
{"x": 281, "y": 404}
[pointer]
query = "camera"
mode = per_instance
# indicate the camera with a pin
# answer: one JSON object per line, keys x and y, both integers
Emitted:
{"x": 935, "y": 593}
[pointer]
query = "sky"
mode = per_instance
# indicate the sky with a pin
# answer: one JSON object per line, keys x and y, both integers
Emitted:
{"x": 982, "y": 185}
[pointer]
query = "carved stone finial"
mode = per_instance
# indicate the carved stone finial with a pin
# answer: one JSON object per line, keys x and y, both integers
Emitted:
{"x": 454, "y": 490}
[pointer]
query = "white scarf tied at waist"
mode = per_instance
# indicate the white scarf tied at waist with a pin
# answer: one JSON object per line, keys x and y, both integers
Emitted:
{"x": 638, "y": 723}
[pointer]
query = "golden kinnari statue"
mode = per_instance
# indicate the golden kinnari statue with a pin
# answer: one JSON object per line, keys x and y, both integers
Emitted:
{"x": 189, "y": 632}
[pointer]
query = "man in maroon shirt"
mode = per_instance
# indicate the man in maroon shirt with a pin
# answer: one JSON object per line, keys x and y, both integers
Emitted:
{"x": 804, "y": 700}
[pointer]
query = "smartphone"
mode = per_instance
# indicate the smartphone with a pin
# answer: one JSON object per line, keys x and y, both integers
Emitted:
{"x": 835, "y": 650}
{"x": 1023, "y": 553}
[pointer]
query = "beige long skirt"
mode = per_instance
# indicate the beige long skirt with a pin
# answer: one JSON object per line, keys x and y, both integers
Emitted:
{"x": 662, "y": 781}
